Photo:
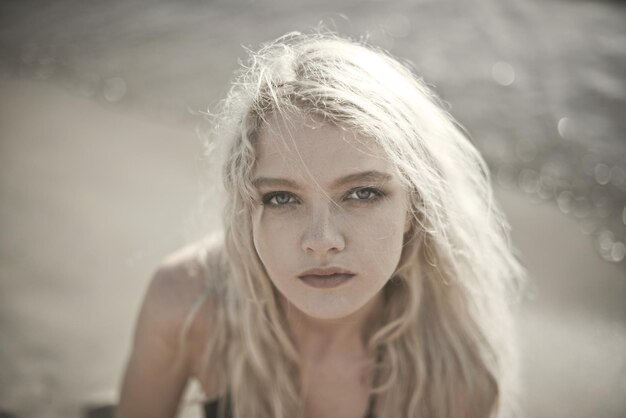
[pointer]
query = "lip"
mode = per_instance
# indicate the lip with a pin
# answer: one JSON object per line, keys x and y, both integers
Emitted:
{"x": 326, "y": 277}
{"x": 325, "y": 271}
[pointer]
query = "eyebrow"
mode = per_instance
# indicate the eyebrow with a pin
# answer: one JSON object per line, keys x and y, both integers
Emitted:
{"x": 371, "y": 176}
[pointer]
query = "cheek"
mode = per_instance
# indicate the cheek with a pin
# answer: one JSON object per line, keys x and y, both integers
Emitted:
{"x": 383, "y": 238}
{"x": 380, "y": 235}
{"x": 273, "y": 239}
{"x": 386, "y": 222}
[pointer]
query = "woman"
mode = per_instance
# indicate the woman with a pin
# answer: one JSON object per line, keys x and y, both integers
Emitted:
{"x": 364, "y": 269}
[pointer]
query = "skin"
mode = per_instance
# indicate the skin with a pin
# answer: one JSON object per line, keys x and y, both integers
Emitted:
{"x": 315, "y": 212}
{"x": 316, "y": 221}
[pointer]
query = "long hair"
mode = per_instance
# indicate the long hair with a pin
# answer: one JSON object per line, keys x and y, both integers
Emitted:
{"x": 445, "y": 335}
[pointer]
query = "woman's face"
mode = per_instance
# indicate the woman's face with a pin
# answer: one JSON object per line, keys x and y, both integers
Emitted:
{"x": 331, "y": 216}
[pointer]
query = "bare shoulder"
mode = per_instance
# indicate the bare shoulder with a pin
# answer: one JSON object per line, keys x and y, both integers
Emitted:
{"x": 180, "y": 289}
{"x": 174, "y": 311}
{"x": 189, "y": 272}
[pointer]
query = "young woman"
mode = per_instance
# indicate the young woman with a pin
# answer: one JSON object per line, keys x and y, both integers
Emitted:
{"x": 363, "y": 271}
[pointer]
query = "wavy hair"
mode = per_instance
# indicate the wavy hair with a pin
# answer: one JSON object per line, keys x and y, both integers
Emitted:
{"x": 445, "y": 335}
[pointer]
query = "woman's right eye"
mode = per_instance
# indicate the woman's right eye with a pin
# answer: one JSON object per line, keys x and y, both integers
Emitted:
{"x": 279, "y": 199}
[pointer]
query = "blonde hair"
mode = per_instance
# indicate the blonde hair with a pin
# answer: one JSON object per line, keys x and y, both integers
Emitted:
{"x": 445, "y": 335}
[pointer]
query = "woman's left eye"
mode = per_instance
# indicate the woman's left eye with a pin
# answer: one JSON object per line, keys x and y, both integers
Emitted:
{"x": 365, "y": 194}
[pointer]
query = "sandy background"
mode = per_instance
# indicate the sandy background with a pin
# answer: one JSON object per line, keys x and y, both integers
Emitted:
{"x": 100, "y": 178}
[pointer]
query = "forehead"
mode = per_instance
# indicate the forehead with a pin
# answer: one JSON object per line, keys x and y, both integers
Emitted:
{"x": 308, "y": 150}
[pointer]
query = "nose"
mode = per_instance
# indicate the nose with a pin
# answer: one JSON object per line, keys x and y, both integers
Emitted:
{"x": 321, "y": 235}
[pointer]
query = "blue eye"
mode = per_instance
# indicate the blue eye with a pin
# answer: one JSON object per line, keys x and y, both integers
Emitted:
{"x": 278, "y": 199}
{"x": 365, "y": 194}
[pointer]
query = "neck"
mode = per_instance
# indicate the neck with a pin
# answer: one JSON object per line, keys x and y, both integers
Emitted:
{"x": 323, "y": 339}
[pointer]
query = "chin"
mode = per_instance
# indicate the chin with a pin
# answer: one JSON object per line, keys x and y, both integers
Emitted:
{"x": 328, "y": 308}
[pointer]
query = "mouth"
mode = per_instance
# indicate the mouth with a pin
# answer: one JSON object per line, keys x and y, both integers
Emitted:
{"x": 326, "y": 278}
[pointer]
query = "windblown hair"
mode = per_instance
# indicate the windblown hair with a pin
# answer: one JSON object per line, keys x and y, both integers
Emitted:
{"x": 445, "y": 337}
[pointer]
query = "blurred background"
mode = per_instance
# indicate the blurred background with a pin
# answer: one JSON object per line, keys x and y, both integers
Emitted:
{"x": 102, "y": 170}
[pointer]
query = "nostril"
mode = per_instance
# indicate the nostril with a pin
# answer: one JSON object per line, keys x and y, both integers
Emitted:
{"x": 323, "y": 233}
{"x": 323, "y": 240}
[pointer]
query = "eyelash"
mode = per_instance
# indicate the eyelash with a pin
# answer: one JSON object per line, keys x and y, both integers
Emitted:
{"x": 375, "y": 195}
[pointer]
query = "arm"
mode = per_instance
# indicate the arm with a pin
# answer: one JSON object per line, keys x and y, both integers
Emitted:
{"x": 155, "y": 376}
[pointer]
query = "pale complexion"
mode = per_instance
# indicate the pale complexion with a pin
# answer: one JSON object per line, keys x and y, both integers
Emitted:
{"x": 328, "y": 198}
{"x": 327, "y": 215}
